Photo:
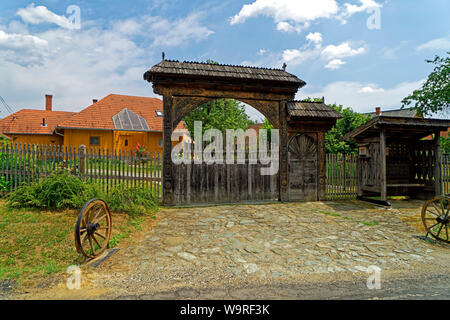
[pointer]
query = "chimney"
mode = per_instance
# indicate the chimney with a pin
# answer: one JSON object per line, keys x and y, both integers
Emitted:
{"x": 48, "y": 102}
{"x": 378, "y": 111}
{"x": 94, "y": 100}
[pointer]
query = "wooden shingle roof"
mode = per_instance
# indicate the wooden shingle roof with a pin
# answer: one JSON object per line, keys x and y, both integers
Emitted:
{"x": 309, "y": 109}
{"x": 197, "y": 69}
{"x": 399, "y": 127}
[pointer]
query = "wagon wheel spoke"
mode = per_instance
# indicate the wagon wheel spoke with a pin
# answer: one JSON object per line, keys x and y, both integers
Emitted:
{"x": 432, "y": 212}
{"x": 96, "y": 241}
{"x": 96, "y": 214}
{"x": 99, "y": 219}
{"x": 440, "y": 229}
{"x": 99, "y": 234}
{"x": 437, "y": 209}
{"x": 91, "y": 245}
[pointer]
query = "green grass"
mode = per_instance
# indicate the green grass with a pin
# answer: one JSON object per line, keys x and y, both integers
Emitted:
{"x": 36, "y": 243}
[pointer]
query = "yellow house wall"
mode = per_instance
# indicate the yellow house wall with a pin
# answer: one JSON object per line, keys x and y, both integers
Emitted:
{"x": 36, "y": 139}
{"x": 115, "y": 139}
{"x": 149, "y": 140}
{"x": 76, "y": 138}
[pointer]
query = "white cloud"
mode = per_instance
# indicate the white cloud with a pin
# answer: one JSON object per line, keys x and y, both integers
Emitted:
{"x": 77, "y": 66}
{"x": 363, "y": 97}
{"x": 369, "y": 89}
{"x": 295, "y": 15}
{"x": 177, "y": 32}
{"x": 334, "y": 64}
{"x": 331, "y": 54}
{"x": 436, "y": 44}
{"x": 315, "y": 37}
{"x": 297, "y": 12}
{"x": 23, "y": 49}
{"x": 287, "y": 27}
{"x": 341, "y": 51}
{"x": 40, "y": 14}
{"x": 351, "y": 9}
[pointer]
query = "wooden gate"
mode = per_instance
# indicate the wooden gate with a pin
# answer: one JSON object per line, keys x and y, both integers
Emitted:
{"x": 302, "y": 159}
{"x": 223, "y": 183}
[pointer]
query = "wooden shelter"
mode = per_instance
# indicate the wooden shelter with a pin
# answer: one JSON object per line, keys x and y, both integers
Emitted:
{"x": 395, "y": 160}
{"x": 187, "y": 85}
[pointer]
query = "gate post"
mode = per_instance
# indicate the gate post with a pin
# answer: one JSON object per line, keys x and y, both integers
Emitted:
{"x": 284, "y": 194}
{"x": 321, "y": 185}
{"x": 167, "y": 172}
{"x": 82, "y": 160}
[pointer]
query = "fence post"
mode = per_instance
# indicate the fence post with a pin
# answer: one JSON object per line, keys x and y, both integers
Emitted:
{"x": 82, "y": 160}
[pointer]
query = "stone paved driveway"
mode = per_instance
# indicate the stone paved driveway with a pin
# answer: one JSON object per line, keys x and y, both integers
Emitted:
{"x": 236, "y": 246}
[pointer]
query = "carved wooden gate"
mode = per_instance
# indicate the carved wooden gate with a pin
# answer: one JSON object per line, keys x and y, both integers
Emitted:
{"x": 302, "y": 160}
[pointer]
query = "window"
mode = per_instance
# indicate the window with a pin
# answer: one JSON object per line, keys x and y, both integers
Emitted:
{"x": 159, "y": 113}
{"x": 160, "y": 142}
{"x": 94, "y": 141}
{"x": 126, "y": 142}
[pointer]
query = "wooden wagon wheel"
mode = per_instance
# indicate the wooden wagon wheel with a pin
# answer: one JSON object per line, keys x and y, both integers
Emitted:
{"x": 93, "y": 228}
{"x": 435, "y": 217}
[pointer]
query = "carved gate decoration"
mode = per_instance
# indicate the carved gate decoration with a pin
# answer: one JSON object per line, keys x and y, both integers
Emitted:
{"x": 186, "y": 85}
{"x": 303, "y": 168}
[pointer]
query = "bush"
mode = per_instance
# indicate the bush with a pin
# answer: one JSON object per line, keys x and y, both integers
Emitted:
{"x": 62, "y": 190}
{"x": 53, "y": 192}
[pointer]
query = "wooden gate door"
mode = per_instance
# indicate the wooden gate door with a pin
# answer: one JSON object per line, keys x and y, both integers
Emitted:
{"x": 302, "y": 159}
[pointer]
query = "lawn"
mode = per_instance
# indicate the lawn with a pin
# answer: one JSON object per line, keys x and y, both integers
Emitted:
{"x": 35, "y": 243}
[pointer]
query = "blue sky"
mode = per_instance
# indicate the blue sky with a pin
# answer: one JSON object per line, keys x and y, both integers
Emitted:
{"x": 327, "y": 43}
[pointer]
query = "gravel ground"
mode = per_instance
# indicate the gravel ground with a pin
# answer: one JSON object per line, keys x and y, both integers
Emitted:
{"x": 272, "y": 250}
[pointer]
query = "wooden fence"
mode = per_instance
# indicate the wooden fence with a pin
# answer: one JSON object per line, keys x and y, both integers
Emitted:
{"x": 223, "y": 183}
{"x": 25, "y": 163}
{"x": 342, "y": 176}
{"x": 445, "y": 173}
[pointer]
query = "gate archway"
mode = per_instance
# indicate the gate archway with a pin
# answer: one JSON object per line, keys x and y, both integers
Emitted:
{"x": 186, "y": 85}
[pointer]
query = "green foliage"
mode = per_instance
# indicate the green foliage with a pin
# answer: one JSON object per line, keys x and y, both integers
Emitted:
{"x": 445, "y": 145}
{"x": 219, "y": 114}
{"x": 434, "y": 96}
{"x": 267, "y": 126}
{"x": 62, "y": 190}
{"x": 4, "y": 184}
{"x": 56, "y": 191}
{"x": 132, "y": 200}
{"x": 350, "y": 121}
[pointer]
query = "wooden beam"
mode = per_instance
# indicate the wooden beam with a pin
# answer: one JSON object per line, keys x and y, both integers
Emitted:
{"x": 383, "y": 184}
{"x": 437, "y": 164}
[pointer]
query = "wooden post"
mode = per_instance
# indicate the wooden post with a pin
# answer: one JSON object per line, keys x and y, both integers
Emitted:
{"x": 437, "y": 164}
{"x": 321, "y": 192}
{"x": 284, "y": 194}
{"x": 167, "y": 172}
{"x": 383, "y": 181}
{"x": 82, "y": 160}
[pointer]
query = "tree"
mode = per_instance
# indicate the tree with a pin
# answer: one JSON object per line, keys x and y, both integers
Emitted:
{"x": 350, "y": 121}
{"x": 434, "y": 96}
{"x": 219, "y": 114}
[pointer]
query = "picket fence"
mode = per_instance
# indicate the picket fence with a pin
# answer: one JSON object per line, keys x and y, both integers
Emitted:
{"x": 26, "y": 163}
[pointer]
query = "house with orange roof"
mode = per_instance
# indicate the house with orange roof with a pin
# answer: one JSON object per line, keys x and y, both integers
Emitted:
{"x": 31, "y": 126}
{"x": 119, "y": 122}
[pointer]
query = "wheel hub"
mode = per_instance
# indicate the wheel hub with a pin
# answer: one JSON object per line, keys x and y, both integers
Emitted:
{"x": 443, "y": 220}
{"x": 92, "y": 227}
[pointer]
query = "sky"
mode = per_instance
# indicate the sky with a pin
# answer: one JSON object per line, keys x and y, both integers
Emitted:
{"x": 359, "y": 53}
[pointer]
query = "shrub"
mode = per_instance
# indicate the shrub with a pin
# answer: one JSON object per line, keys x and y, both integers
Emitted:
{"x": 62, "y": 190}
{"x": 56, "y": 191}
{"x": 132, "y": 200}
